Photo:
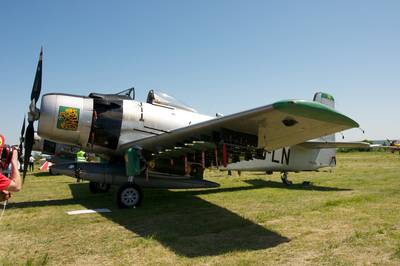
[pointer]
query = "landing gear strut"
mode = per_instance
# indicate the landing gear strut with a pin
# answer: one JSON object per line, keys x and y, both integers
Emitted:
{"x": 285, "y": 179}
{"x": 77, "y": 173}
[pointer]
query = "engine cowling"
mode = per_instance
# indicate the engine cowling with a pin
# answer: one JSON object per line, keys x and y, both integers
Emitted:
{"x": 66, "y": 118}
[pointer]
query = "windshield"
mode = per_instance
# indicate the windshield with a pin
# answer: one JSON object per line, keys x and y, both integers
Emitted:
{"x": 129, "y": 93}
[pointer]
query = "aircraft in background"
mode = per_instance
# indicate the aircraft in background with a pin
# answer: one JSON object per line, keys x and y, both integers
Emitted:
{"x": 394, "y": 145}
{"x": 164, "y": 143}
{"x": 53, "y": 152}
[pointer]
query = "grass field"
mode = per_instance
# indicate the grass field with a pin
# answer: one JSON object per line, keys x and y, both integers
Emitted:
{"x": 348, "y": 217}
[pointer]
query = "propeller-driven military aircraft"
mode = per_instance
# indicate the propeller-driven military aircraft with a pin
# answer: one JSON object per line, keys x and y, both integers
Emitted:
{"x": 164, "y": 143}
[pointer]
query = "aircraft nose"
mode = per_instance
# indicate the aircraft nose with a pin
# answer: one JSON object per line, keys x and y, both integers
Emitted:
{"x": 66, "y": 118}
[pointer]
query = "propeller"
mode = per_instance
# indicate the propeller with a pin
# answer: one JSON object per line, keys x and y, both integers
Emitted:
{"x": 33, "y": 113}
{"x": 21, "y": 145}
{"x": 21, "y": 138}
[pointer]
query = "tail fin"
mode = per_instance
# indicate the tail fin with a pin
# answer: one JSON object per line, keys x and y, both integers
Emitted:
{"x": 327, "y": 100}
{"x": 326, "y": 157}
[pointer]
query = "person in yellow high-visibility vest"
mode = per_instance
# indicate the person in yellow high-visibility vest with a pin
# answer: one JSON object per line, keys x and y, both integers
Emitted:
{"x": 81, "y": 156}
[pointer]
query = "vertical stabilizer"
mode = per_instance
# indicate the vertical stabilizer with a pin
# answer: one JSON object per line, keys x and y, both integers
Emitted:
{"x": 324, "y": 98}
{"x": 327, "y": 100}
{"x": 326, "y": 157}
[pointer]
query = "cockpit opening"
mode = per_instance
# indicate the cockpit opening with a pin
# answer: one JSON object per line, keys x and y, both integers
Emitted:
{"x": 163, "y": 99}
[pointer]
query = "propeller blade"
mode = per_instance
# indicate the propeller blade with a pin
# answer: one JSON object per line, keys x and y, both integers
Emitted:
{"x": 37, "y": 84}
{"x": 29, "y": 139}
{"x": 33, "y": 114}
{"x": 21, "y": 138}
{"x": 23, "y": 127}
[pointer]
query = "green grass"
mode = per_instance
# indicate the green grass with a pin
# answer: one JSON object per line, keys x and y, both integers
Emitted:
{"x": 346, "y": 217}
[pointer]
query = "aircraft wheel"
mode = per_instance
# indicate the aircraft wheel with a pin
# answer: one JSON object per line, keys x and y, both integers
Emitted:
{"x": 52, "y": 171}
{"x": 197, "y": 171}
{"x": 129, "y": 195}
{"x": 96, "y": 187}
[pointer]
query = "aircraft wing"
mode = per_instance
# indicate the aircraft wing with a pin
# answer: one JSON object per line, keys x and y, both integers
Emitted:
{"x": 274, "y": 126}
{"x": 333, "y": 144}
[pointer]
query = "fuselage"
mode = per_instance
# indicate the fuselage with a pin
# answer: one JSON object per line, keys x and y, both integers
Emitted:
{"x": 103, "y": 123}
{"x": 289, "y": 159}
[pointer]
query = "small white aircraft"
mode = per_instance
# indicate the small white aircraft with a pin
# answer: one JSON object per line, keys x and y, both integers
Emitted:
{"x": 164, "y": 143}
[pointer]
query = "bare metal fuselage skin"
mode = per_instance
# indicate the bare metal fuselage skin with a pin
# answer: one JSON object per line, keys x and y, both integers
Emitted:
{"x": 103, "y": 125}
{"x": 289, "y": 159}
{"x": 112, "y": 124}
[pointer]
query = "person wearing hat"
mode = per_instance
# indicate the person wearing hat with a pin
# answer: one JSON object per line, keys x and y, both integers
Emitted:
{"x": 14, "y": 184}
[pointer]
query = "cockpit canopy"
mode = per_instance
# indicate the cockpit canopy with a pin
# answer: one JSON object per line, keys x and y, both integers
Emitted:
{"x": 153, "y": 97}
{"x": 163, "y": 99}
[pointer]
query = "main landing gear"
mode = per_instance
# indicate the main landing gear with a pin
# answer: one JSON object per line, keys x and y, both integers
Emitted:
{"x": 285, "y": 179}
{"x": 129, "y": 196}
{"x": 96, "y": 187}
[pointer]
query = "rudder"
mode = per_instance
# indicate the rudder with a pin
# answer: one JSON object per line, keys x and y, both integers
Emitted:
{"x": 326, "y": 156}
{"x": 328, "y": 100}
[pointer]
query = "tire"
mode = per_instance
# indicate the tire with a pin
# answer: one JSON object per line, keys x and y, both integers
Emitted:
{"x": 96, "y": 187}
{"x": 52, "y": 172}
{"x": 129, "y": 196}
{"x": 196, "y": 171}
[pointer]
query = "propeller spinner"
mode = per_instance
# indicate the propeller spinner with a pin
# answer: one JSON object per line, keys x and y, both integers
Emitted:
{"x": 33, "y": 113}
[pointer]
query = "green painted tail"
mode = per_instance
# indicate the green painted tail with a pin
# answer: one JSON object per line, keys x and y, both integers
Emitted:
{"x": 326, "y": 156}
{"x": 328, "y": 100}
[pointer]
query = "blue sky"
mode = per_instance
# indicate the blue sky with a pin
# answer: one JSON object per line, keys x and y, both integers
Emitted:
{"x": 218, "y": 56}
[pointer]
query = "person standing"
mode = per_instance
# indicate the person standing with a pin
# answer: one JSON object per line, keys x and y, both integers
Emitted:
{"x": 31, "y": 163}
{"x": 14, "y": 184}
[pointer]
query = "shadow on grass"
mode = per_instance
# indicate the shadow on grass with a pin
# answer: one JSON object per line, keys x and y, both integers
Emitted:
{"x": 183, "y": 222}
{"x": 259, "y": 184}
{"x": 275, "y": 184}
{"x": 179, "y": 220}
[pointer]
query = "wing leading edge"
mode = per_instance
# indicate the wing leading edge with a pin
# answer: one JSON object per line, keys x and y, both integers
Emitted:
{"x": 270, "y": 127}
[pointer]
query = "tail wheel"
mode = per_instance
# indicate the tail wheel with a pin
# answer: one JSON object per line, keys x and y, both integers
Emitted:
{"x": 129, "y": 195}
{"x": 96, "y": 187}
